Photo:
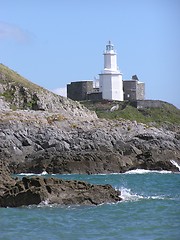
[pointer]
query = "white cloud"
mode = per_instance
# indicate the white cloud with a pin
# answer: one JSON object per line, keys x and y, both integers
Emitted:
{"x": 10, "y": 31}
{"x": 60, "y": 91}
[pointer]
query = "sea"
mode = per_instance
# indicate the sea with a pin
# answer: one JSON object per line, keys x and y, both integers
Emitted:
{"x": 150, "y": 210}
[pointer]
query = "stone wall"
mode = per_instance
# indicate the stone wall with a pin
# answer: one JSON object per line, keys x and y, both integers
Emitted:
{"x": 129, "y": 88}
{"x": 147, "y": 104}
{"x": 133, "y": 90}
{"x": 140, "y": 91}
{"x": 83, "y": 90}
{"x": 78, "y": 90}
{"x": 94, "y": 96}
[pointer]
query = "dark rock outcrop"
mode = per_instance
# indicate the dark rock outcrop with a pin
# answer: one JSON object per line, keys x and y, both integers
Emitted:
{"x": 33, "y": 141}
{"x": 36, "y": 190}
{"x": 6, "y": 181}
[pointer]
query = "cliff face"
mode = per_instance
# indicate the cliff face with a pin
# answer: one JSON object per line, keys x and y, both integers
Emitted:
{"x": 61, "y": 136}
{"x": 37, "y": 141}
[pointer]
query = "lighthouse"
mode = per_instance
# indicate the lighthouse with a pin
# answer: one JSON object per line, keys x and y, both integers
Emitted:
{"x": 110, "y": 80}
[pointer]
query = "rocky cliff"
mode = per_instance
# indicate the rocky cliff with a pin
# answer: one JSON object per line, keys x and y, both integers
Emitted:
{"x": 36, "y": 141}
{"x": 60, "y": 136}
{"x": 17, "y": 93}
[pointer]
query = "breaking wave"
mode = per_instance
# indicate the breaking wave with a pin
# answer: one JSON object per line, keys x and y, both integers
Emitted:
{"x": 143, "y": 171}
{"x": 26, "y": 174}
{"x": 128, "y": 195}
{"x": 175, "y": 164}
{"x": 33, "y": 174}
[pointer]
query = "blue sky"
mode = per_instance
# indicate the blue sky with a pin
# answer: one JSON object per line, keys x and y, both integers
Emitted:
{"x": 55, "y": 42}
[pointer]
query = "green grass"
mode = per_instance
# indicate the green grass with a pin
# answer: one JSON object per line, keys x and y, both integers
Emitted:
{"x": 168, "y": 113}
{"x": 8, "y": 95}
{"x": 10, "y": 76}
{"x": 18, "y": 89}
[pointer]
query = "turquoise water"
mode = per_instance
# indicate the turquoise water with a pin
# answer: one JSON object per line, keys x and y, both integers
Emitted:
{"x": 150, "y": 210}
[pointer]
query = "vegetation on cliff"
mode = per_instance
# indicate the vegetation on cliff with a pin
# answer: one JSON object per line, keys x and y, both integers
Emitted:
{"x": 166, "y": 114}
{"x": 17, "y": 93}
{"x": 10, "y": 76}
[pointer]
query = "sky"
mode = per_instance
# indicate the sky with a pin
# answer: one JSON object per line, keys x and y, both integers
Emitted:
{"x": 55, "y": 42}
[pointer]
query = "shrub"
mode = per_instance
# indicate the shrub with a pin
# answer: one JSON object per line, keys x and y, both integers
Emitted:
{"x": 55, "y": 118}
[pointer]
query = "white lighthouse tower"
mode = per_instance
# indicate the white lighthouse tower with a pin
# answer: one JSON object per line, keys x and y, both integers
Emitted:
{"x": 110, "y": 80}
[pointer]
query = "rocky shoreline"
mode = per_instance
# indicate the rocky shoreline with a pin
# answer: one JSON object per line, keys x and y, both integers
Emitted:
{"x": 31, "y": 143}
{"x": 34, "y": 141}
{"x": 41, "y": 131}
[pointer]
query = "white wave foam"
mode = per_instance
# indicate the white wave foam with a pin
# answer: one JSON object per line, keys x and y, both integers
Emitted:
{"x": 44, "y": 173}
{"x": 156, "y": 197}
{"x": 143, "y": 171}
{"x": 128, "y": 195}
{"x": 33, "y": 174}
{"x": 26, "y": 174}
{"x": 44, "y": 203}
{"x": 175, "y": 164}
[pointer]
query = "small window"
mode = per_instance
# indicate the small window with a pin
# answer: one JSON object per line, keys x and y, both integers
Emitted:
{"x": 128, "y": 95}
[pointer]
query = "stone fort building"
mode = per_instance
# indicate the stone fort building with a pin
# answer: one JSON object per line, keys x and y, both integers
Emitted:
{"x": 110, "y": 85}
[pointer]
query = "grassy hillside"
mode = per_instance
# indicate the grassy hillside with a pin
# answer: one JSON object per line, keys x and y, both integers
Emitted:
{"x": 9, "y": 76}
{"x": 19, "y": 92}
{"x": 166, "y": 114}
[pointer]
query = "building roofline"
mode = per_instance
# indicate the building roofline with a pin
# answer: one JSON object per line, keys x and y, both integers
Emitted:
{"x": 83, "y": 81}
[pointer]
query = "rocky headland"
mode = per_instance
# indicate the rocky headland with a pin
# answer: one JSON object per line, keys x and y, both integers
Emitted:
{"x": 43, "y": 131}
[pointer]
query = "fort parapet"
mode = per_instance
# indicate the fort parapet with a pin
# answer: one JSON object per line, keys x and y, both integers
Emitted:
{"x": 147, "y": 104}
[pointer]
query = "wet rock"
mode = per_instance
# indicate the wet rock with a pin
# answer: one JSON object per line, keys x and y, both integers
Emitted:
{"x": 6, "y": 181}
{"x": 36, "y": 190}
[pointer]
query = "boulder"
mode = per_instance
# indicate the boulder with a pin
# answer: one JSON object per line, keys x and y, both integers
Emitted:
{"x": 36, "y": 190}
